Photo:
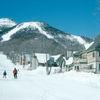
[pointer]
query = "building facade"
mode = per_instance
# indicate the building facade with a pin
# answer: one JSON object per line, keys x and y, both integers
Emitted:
{"x": 88, "y": 60}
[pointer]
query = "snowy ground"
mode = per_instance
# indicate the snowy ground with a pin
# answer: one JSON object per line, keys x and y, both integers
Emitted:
{"x": 36, "y": 85}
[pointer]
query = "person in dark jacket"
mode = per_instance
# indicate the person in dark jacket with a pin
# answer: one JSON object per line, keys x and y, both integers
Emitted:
{"x": 15, "y": 73}
{"x": 4, "y": 74}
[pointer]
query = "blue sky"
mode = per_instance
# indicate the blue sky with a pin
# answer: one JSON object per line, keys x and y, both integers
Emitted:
{"x": 79, "y": 17}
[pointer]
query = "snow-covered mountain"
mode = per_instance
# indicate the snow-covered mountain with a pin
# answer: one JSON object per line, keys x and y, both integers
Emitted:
{"x": 6, "y": 25}
{"x": 40, "y": 37}
{"x": 29, "y": 25}
{"x": 6, "y": 22}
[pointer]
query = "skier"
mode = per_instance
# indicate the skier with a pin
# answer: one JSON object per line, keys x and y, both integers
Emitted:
{"x": 4, "y": 74}
{"x": 15, "y": 73}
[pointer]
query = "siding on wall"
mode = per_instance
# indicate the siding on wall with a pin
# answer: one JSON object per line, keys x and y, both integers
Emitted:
{"x": 90, "y": 57}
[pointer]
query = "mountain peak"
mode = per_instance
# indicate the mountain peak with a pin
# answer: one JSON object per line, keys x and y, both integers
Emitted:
{"x": 30, "y": 24}
{"x": 7, "y": 22}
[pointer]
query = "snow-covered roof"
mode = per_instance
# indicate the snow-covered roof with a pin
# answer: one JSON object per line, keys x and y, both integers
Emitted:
{"x": 94, "y": 46}
{"x": 56, "y": 57}
{"x": 42, "y": 58}
{"x": 69, "y": 61}
{"x": 89, "y": 45}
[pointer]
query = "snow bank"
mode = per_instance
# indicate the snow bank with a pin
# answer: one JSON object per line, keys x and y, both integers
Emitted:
{"x": 36, "y": 85}
{"x": 4, "y": 61}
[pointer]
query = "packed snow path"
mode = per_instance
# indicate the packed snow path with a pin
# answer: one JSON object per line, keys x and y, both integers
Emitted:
{"x": 36, "y": 85}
